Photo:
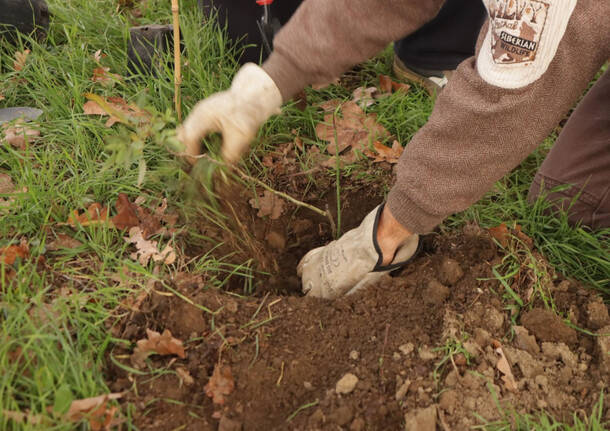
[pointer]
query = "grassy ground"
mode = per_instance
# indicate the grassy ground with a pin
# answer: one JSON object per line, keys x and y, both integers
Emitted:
{"x": 58, "y": 311}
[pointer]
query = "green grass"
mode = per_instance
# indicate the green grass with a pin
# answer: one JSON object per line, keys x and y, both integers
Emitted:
{"x": 58, "y": 312}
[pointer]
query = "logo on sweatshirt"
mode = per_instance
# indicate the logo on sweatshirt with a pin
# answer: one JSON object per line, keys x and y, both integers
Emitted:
{"x": 516, "y": 27}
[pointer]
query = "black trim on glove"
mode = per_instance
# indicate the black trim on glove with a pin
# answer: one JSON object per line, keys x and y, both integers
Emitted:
{"x": 378, "y": 267}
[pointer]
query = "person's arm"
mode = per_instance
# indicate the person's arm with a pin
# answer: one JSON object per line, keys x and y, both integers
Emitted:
{"x": 479, "y": 130}
{"x": 324, "y": 38}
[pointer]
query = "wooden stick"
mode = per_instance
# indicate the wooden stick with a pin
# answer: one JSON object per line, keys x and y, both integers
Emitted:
{"x": 177, "y": 68}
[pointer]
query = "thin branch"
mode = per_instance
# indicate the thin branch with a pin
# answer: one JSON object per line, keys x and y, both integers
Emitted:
{"x": 177, "y": 68}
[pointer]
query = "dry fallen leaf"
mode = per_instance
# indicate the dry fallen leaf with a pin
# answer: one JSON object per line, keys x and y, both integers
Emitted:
{"x": 63, "y": 241}
{"x": 6, "y": 184}
{"x": 129, "y": 110}
{"x": 500, "y": 233}
{"x": 185, "y": 376}
{"x": 95, "y": 214}
{"x": 126, "y": 216}
{"x": 9, "y": 254}
{"x": 365, "y": 96}
{"x": 20, "y": 59}
{"x": 96, "y": 411}
{"x": 19, "y": 136}
{"x": 147, "y": 249}
{"x": 21, "y": 417}
{"x": 97, "y": 56}
{"x": 104, "y": 77}
{"x": 268, "y": 205}
{"x": 504, "y": 367}
{"x": 354, "y": 129}
{"x": 384, "y": 153}
{"x": 160, "y": 344}
{"x": 385, "y": 83}
{"x": 221, "y": 384}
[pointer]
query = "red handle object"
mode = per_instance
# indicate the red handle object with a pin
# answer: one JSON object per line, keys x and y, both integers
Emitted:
{"x": 263, "y": 2}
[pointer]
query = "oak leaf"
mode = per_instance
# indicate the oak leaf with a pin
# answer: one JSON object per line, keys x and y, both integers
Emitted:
{"x": 126, "y": 216}
{"x": 268, "y": 205}
{"x": 9, "y": 254}
{"x": 353, "y": 129}
{"x": 504, "y": 367}
{"x": 115, "y": 107}
{"x": 156, "y": 343}
{"x": 104, "y": 77}
{"x": 96, "y": 214}
{"x": 19, "y": 136}
{"x": 20, "y": 59}
{"x": 146, "y": 249}
{"x": 221, "y": 384}
{"x": 385, "y": 154}
{"x": 96, "y": 411}
{"x": 63, "y": 241}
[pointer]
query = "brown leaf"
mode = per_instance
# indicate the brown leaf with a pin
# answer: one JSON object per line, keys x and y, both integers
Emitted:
{"x": 221, "y": 384}
{"x": 185, "y": 376}
{"x": 399, "y": 86}
{"x": 20, "y": 59}
{"x": 18, "y": 136}
{"x": 364, "y": 97}
{"x": 97, "y": 56}
{"x": 330, "y": 105}
{"x": 504, "y": 367}
{"x": 268, "y": 205}
{"x": 95, "y": 410}
{"x": 6, "y": 184}
{"x": 126, "y": 213}
{"x": 384, "y": 153}
{"x": 9, "y": 254}
{"x": 104, "y": 77}
{"x": 21, "y": 417}
{"x": 147, "y": 249}
{"x": 523, "y": 237}
{"x": 130, "y": 110}
{"x": 160, "y": 344}
{"x": 63, "y": 241}
{"x": 500, "y": 233}
{"x": 96, "y": 214}
{"x": 354, "y": 129}
{"x": 385, "y": 83}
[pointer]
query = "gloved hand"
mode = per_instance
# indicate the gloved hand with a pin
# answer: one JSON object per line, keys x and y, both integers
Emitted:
{"x": 351, "y": 262}
{"x": 236, "y": 113}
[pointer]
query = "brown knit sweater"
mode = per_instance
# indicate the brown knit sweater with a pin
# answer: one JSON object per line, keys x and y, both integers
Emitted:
{"x": 477, "y": 131}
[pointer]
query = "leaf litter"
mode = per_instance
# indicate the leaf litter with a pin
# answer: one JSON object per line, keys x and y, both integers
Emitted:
{"x": 19, "y": 135}
{"x": 119, "y": 110}
{"x": 156, "y": 343}
{"x": 220, "y": 384}
{"x": 383, "y": 153}
{"x": 268, "y": 205}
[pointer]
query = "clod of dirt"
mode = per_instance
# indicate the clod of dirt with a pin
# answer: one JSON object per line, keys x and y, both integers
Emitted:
{"x": 276, "y": 240}
{"x": 597, "y": 314}
{"x": 186, "y": 319}
{"x": 435, "y": 293}
{"x": 358, "y": 424}
{"x": 402, "y": 390}
{"x": 449, "y": 400}
{"x": 421, "y": 419}
{"x": 406, "y": 349}
{"x": 560, "y": 351}
{"x": 227, "y": 424}
{"x": 494, "y": 319}
{"x": 346, "y": 384}
{"x": 450, "y": 271}
{"x": 603, "y": 346}
{"x": 525, "y": 341}
{"x": 547, "y": 326}
{"x": 342, "y": 415}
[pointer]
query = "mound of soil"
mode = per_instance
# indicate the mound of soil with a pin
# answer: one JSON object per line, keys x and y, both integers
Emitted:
{"x": 423, "y": 348}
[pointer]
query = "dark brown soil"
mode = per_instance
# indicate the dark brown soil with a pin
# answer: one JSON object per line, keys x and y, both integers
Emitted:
{"x": 288, "y": 353}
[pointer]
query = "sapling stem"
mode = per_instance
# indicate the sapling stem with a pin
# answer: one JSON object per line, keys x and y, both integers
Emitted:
{"x": 177, "y": 68}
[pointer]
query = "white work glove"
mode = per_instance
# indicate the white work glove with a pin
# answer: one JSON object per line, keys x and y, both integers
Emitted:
{"x": 351, "y": 262}
{"x": 236, "y": 113}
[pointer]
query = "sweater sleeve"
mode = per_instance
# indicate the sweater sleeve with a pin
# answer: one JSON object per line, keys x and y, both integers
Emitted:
{"x": 324, "y": 38}
{"x": 479, "y": 131}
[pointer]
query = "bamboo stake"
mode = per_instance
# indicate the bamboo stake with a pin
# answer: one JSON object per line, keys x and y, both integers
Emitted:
{"x": 177, "y": 69}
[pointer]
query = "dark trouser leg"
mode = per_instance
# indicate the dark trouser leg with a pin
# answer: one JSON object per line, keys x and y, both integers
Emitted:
{"x": 241, "y": 18}
{"x": 447, "y": 40}
{"x": 581, "y": 158}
